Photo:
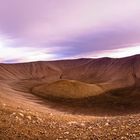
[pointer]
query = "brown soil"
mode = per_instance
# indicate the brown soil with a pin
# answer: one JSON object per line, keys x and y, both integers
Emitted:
{"x": 84, "y": 99}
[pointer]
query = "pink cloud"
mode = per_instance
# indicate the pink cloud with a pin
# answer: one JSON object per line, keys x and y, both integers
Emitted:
{"x": 42, "y": 25}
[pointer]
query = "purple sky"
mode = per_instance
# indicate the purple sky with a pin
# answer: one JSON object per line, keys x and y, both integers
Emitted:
{"x": 32, "y": 30}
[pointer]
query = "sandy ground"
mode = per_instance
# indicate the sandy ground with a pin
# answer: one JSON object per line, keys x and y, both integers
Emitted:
{"x": 23, "y": 121}
{"x": 26, "y": 124}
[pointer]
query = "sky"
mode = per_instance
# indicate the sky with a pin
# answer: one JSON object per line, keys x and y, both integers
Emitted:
{"x": 34, "y": 30}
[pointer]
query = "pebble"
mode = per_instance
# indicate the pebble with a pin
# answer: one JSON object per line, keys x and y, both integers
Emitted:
{"x": 29, "y": 117}
{"x": 66, "y": 132}
{"x": 4, "y": 105}
{"x": 107, "y": 124}
{"x": 72, "y": 122}
{"x": 90, "y": 127}
{"x": 82, "y": 124}
{"x": 22, "y": 115}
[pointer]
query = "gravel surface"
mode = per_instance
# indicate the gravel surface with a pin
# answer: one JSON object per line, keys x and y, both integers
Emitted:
{"x": 24, "y": 124}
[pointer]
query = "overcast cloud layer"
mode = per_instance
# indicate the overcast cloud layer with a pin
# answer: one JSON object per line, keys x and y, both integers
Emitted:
{"x": 32, "y": 30}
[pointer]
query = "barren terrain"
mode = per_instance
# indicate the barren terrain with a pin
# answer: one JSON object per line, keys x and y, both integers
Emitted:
{"x": 83, "y": 99}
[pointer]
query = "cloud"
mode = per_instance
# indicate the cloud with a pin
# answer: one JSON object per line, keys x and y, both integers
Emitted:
{"x": 46, "y": 30}
{"x": 114, "y": 53}
{"x": 12, "y": 52}
{"x": 112, "y": 37}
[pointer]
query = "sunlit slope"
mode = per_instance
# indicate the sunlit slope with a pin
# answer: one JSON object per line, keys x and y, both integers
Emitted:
{"x": 67, "y": 89}
{"x": 26, "y": 71}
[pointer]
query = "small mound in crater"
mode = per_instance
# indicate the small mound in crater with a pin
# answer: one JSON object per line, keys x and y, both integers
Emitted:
{"x": 67, "y": 89}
